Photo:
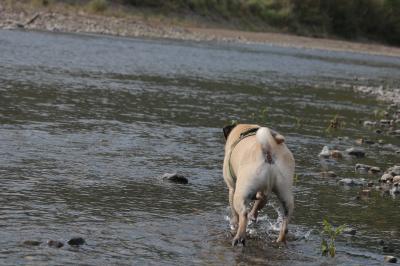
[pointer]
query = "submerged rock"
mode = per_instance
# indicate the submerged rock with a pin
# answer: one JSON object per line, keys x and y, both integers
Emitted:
{"x": 175, "y": 178}
{"x": 357, "y": 152}
{"x": 31, "y": 243}
{"x": 352, "y": 182}
{"x": 55, "y": 244}
{"x": 76, "y": 241}
{"x": 328, "y": 174}
{"x": 350, "y": 231}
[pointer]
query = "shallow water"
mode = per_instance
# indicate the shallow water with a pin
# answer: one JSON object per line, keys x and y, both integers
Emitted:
{"x": 88, "y": 124}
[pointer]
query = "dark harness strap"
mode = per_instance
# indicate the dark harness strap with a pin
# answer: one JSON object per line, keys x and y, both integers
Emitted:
{"x": 248, "y": 133}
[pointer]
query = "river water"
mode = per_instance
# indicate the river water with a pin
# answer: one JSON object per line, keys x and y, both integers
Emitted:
{"x": 88, "y": 124}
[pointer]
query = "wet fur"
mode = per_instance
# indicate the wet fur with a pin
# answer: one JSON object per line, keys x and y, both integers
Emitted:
{"x": 256, "y": 177}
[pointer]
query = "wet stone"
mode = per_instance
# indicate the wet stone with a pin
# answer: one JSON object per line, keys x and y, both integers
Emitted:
{"x": 76, "y": 241}
{"x": 350, "y": 231}
{"x": 385, "y": 178}
{"x": 359, "y": 153}
{"x": 374, "y": 170}
{"x": 336, "y": 154}
{"x": 390, "y": 259}
{"x": 362, "y": 168}
{"x": 55, "y": 243}
{"x": 175, "y": 178}
{"x": 369, "y": 123}
{"x": 328, "y": 174}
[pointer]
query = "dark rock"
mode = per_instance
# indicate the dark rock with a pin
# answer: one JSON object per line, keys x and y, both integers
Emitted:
{"x": 55, "y": 243}
{"x": 378, "y": 131}
{"x": 356, "y": 152}
{"x": 31, "y": 243}
{"x": 390, "y": 259}
{"x": 381, "y": 242}
{"x": 76, "y": 241}
{"x": 175, "y": 178}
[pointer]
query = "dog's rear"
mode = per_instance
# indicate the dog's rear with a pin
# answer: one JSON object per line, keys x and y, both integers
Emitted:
{"x": 261, "y": 164}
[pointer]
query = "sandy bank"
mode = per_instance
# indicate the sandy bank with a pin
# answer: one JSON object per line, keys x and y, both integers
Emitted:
{"x": 137, "y": 26}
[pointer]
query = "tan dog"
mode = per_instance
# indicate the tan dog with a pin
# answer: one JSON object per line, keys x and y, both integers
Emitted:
{"x": 257, "y": 162}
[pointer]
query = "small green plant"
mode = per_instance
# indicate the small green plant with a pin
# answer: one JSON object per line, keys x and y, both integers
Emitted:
{"x": 335, "y": 123}
{"x": 97, "y": 6}
{"x": 379, "y": 114}
{"x": 329, "y": 234}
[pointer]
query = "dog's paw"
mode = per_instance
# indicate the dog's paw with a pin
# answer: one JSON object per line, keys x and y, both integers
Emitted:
{"x": 237, "y": 241}
{"x": 281, "y": 242}
{"x": 252, "y": 217}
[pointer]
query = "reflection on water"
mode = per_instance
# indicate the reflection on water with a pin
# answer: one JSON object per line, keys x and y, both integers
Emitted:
{"x": 89, "y": 124}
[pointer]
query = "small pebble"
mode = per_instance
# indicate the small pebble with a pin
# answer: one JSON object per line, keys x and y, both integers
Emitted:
{"x": 175, "y": 178}
{"x": 55, "y": 243}
{"x": 374, "y": 170}
{"x": 390, "y": 259}
{"x": 328, "y": 174}
{"x": 336, "y": 154}
{"x": 356, "y": 152}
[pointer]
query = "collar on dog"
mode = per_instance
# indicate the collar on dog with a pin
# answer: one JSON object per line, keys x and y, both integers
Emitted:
{"x": 245, "y": 134}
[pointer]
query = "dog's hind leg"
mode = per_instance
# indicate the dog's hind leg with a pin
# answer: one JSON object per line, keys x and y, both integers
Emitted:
{"x": 234, "y": 215}
{"x": 240, "y": 208}
{"x": 261, "y": 200}
{"x": 285, "y": 197}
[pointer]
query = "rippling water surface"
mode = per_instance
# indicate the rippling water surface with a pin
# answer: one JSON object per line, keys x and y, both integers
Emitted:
{"x": 88, "y": 124}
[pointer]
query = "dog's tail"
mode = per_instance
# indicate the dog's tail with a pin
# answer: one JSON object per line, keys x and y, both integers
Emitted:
{"x": 267, "y": 137}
